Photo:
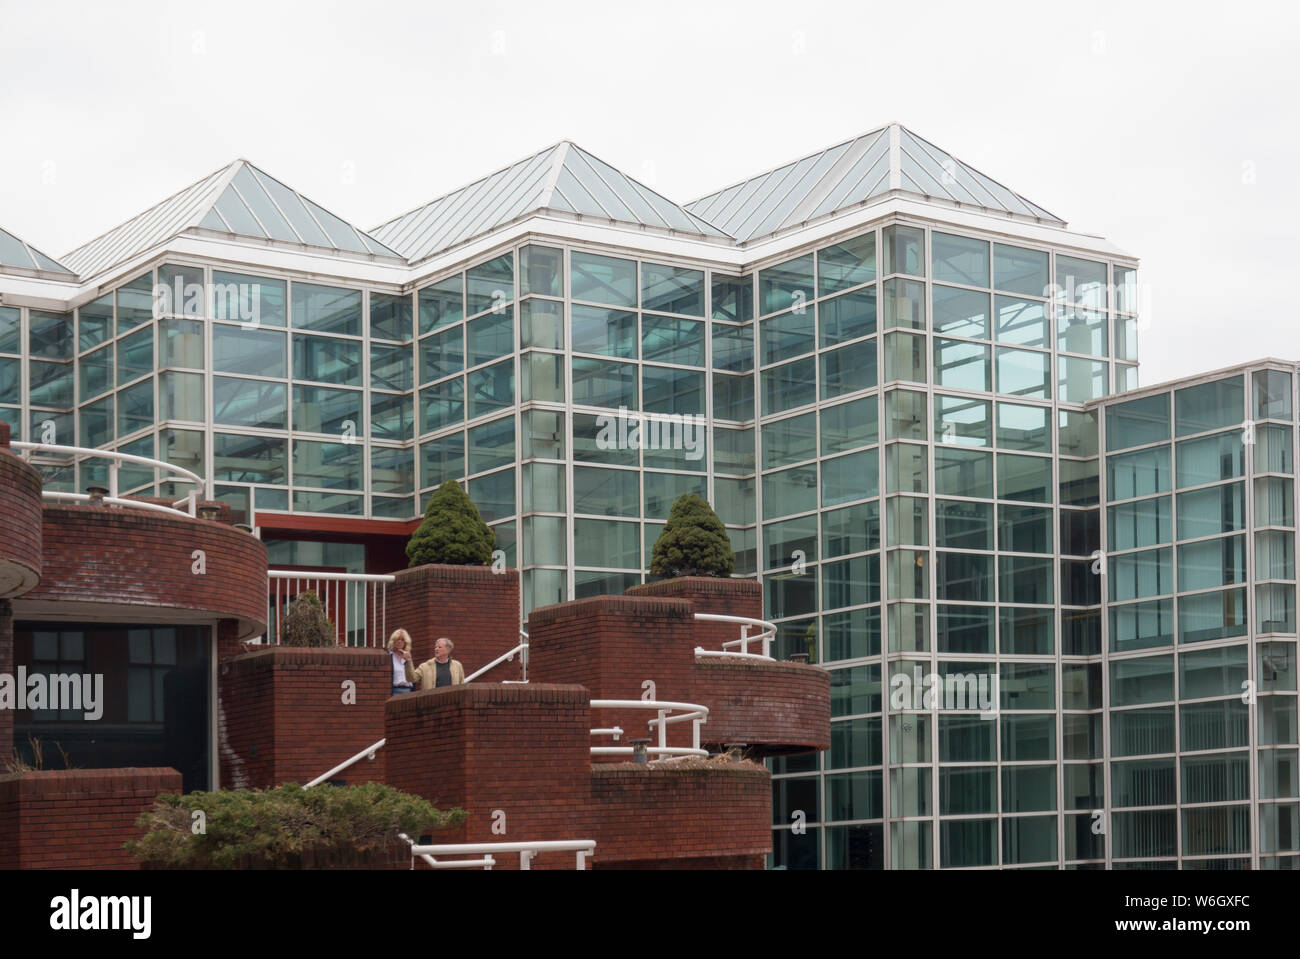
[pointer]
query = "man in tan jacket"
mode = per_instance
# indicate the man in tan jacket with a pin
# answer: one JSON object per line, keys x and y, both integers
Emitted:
{"x": 442, "y": 670}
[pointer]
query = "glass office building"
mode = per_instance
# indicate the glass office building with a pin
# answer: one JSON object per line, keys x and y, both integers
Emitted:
{"x": 910, "y": 393}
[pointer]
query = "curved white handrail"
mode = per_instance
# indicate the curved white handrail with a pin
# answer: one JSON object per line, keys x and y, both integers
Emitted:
{"x": 766, "y": 635}
{"x": 174, "y": 474}
{"x": 684, "y": 712}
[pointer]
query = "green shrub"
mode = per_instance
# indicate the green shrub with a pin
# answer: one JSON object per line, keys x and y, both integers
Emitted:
{"x": 694, "y": 543}
{"x": 452, "y": 532}
{"x": 306, "y": 623}
{"x": 275, "y": 828}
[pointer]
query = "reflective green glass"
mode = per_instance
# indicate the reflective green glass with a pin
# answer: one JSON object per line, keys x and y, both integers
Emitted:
{"x": 442, "y": 354}
{"x": 733, "y": 298}
{"x": 239, "y": 402}
{"x": 849, "y": 477}
{"x": 1024, "y": 579}
{"x": 1025, "y": 632}
{"x": 904, "y": 304}
{"x": 905, "y": 468}
{"x": 1029, "y": 789}
{"x": 392, "y": 416}
{"x": 605, "y": 332}
{"x": 848, "y": 316}
{"x": 1024, "y": 529}
{"x": 1079, "y": 380}
{"x": 606, "y": 492}
{"x": 1141, "y": 523}
{"x": 848, "y": 369}
{"x": 327, "y": 359}
{"x": 789, "y": 386}
{"x": 1080, "y": 331}
{"x": 328, "y": 465}
{"x": 96, "y": 372}
{"x": 255, "y": 300}
{"x": 665, "y": 389}
{"x": 319, "y": 409}
{"x": 1024, "y": 428}
{"x": 849, "y": 425}
{"x": 1138, "y": 474}
{"x": 1138, "y": 575}
{"x": 180, "y": 343}
{"x": 490, "y": 336}
{"x": 441, "y": 304}
{"x": 135, "y": 303}
{"x": 1209, "y": 406}
{"x": 490, "y": 389}
{"x": 135, "y": 408}
{"x": 786, "y": 285}
{"x": 666, "y": 339}
{"x": 1143, "y": 782}
{"x": 663, "y": 489}
{"x": 390, "y": 316}
{"x": 135, "y": 355}
{"x": 1023, "y": 373}
{"x": 733, "y": 347}
{"x": 181, "y": 290}
{"x": 963, "y": 422}
{"x": 603, "y": 279}
{"x": 1080, "y": 281}
{"x": 1142, "y": 625}
{"x": 964, "y": 577}
{"x": 964, "y": 525}
{"x": 542, "y": 376}
{"x": 1024, "y": 478}
{"x": 180, "y": 396}
{"x": 390, "y": 367}
{"x": 1137, "y": 422}
{"x": 959, "y": 259}
{"x": 789, "y": 491}
{"x": 541, "y": 323}
{"x": 1022, "y": 322}
{"x": 907, "y": 521}
{"x": 1018, "y": 270}
{"x": 491, "y": 445}
{"x": 1138, "y": 732}
{"x": 790, "y": 440}
{"x": 851, "y": 582}
{"x": 852, "y": 529}
{"x": 1137, "y": 681}
{"x": 94, "y": 324}
{"x": 967, "y": 789}
{"x": 326, "y": 309}
{"x": 847, "y": 264}
{"x": 247, "y": 351}
{"x": 1273, "y": 449}
{"x": 249, "y": 459}
{"x": 490, "y": 285}
{"x": 442, "y": 459}
{"x": 494, "y": 495}
{"x": 672, "y": 289}
{"x": 904, "y": 250}
{"x": 1272, "y": 394}
{"x": 789, "y": 334}
{"x": 905, "y": 415}
{"x": 442, "y": 405}
{"x": 960, "y": 312}
{"x": 959, "y": 472}
{"x": 541, "y": 271}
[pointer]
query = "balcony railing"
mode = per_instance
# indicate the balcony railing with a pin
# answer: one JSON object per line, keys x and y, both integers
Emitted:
{"x": 172, "y": 474}
{"x": 355, "y": 602}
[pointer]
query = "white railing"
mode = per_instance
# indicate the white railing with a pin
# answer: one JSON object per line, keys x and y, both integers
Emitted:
{"x": 521, "y": 651}
{"x": 766, "y": 634}
{"x": 367, "y": 753}
{"x": 526, "y": 850}
{"x": 693, "y": 713}
{"x": 355, "y": 601}
{"x": 173, "y": 474}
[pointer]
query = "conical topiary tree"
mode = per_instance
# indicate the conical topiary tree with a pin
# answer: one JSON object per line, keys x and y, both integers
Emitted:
{"x": 306, "y": 623}
{"x": 694, "y": 543}
{"x": 453, "y": 532}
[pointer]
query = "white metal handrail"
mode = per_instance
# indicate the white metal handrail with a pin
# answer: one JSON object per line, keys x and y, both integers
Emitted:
{"x": 685, "y": 712}
{"x": 367, "y": 753}
{"x": 766, "y": 635}
{"x": 526, "y": 850}
{"x": 520, "y": 650}
{"x": 362, "y": 598}
{"x": 175, "y": 474}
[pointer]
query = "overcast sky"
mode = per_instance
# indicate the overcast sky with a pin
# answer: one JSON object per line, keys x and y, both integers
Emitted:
{"x": 1170, "y": 129}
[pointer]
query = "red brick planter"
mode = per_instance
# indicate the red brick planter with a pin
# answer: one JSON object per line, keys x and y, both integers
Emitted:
{"x": 474, "y": 607}
{"x": 76, "y": 818}
{"x": 285, "y": 715}
{"x": 774, "y": 708}
{"x": 712, "y": 594}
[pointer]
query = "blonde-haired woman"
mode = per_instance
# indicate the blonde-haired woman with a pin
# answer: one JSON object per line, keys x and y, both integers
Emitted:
{"x": 399, "y": 650}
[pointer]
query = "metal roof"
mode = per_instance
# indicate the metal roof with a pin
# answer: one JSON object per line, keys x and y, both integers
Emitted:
{"x": 848, "y": 174}
{"x": 239, "y": 199}
{"x": 17, "y": 253}
{"x": 563, "y": 178}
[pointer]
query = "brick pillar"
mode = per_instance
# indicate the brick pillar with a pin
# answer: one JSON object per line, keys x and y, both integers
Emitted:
{"x": 613, "y": 645}
{"x": 474, "y": 607}
{"x": 493, "y": 750}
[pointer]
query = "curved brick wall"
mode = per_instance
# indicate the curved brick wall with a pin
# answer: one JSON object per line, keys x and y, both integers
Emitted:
{"x": 774, "y": 708}
{"x": 712, "y": 594}
{"x": 20, "y": 522}
{"x": 681, "y": 815}
{"x": 109, "y": 563}
{"x": 473, "y": 606}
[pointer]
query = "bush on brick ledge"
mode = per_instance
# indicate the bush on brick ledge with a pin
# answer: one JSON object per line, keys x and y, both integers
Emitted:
{"x": 453, "y": 532}
{"x": 288, "y": 827}
{"x": 693, "y": 543}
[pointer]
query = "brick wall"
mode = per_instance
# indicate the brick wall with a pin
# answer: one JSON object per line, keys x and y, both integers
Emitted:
{"x": 128, "y": 558}
{"x": 681, "y": 815}
{"x": 484, "y": 747}
{"x": 76, "y": 819}
{"x": 712, "y": 594}
{"x": 774, "y": 708}
{"x": 284, "y": 719}
{"x": 20, "y": 522}
{"x": 612, "y": 645}
{"x": 474, "y": 607}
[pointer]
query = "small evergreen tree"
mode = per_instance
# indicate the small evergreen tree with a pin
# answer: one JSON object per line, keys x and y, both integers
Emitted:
{"x": 694, "y": 543}
{"x": 306, "y": 623}
{"x": 452, "y": 532}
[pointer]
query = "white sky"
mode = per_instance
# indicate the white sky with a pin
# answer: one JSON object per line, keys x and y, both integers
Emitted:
{"x": 1171, "y": 129}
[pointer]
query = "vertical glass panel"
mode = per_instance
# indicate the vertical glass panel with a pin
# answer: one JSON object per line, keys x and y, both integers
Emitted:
{"x": 240, "y": 402}
{"x": 1023, "y": 373}
{"x": 1209, "y": 459}
{"x": 390, "y": 316}
{"x": 326, "y": 309}
{"x": 255, "y": 300}
{"x": 904, "y": 304}
{"x": 959, "y": 259}
{"x": 1080, "y": 331}
{"x": 960, "y": 312}
{"x": 1137, "y": 422}
{"x": 490, "y": 336}
{"x": 180, "y": 291}
{"x": 904, "y": 250}
{"x": 733, "y": 298}
{"x": 847, "y": 264}
{"x": 247, "y": 351}
{"x": 490, "y": 285}
{"x": 671, "y": 289}
{"x": 95, "y": 325}
{"x": 962, "y": 365}
{"x": 1138, "y": 474}
{"x": 1272, "y": 394}
{"x": 959, "y": 472}
{"x": 1024, "y": 428}
{"x": 1022, "y": 322}
{"x": 787, "y": 335}
{"x": 962, "y": 421}
{"x": 848, "y": 316}
{"x": 1209, "y": 406}
{"x": 1080, "y": 281}
{"x": 541, "y": 271}
{"x": 1080, "y": 380}
{"x": 603, "y": 279}
{"x": 789, "y": 386}
{"x": 441, "y": 304}
{"x": 786, "y": 285}
{"x": 541, "y": 323}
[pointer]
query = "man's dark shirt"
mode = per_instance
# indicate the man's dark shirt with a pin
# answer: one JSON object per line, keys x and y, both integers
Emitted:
{"x": 444, "y": 673}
